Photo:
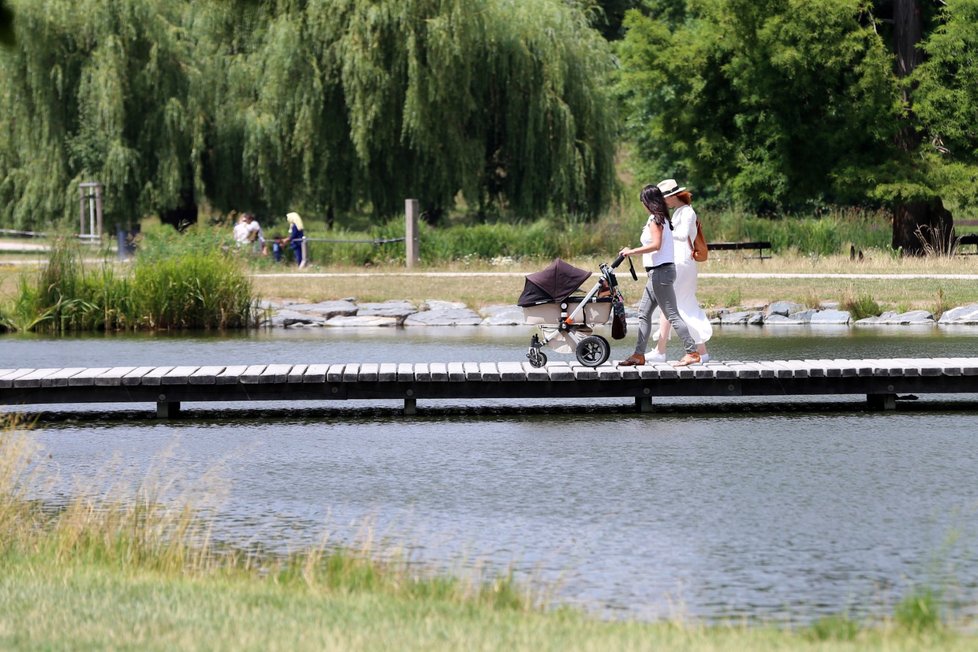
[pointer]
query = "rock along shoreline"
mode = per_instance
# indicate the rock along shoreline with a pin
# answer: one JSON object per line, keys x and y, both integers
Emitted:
{"x": 349, "y": 313}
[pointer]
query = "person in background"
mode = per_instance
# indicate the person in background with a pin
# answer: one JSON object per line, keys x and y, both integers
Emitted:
{"x": 297, "y": 238}
{"x": 658, "y": 257}
{"x": 278, "y": 247}
{"x": 241, "y": 231}
{"x": 255, "y": 233}
{"x": 683, "y": 234}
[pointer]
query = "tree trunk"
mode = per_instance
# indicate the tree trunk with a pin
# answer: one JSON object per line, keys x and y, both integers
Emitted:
{"x": 913, "y": 220}
{"x": 922, "y": 227}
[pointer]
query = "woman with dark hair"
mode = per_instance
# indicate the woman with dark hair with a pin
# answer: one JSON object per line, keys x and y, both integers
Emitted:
{"x": 685, "y": 224}
{"x": 659, "y": 259}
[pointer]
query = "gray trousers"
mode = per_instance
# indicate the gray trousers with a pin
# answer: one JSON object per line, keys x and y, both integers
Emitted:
{"x": 659, "y": 292}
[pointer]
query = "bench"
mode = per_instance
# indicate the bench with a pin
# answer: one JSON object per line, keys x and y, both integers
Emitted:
{"x": 741, "y": 246}
{"x": 968, "y": 239}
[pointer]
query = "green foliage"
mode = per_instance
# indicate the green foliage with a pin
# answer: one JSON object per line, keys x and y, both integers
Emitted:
{"x": 919, "y": 611}
{"x": 860, "y": 307}
{"x": 195, "y": 286}
{"x": 833, "y": 628}
{"x": 317, "y": 106}
{"x": 946, "y": 101}
{"x": 771, "y": 104}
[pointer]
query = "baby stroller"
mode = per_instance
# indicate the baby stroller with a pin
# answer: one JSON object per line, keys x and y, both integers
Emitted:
{"x": 566, "y": 320}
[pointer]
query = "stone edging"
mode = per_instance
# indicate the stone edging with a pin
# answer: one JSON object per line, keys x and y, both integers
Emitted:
{"x": 347, "y": 313}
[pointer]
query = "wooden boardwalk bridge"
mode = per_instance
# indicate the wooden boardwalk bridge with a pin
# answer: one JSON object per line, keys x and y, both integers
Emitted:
{"x": 167, "y": 387}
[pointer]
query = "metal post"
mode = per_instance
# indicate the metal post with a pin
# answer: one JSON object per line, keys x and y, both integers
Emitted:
{"x": 90, "y": 193}
{"x": 411, "y": 213}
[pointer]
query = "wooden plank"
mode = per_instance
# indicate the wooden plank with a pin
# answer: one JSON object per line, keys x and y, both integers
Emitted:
{"x": 744, "y": 370}
{"x": 387, "y": 373}
{"x": 534, "y": 373}
{"x": 511, "y": 371}
{"x": 584, "y": 373}
{"x": 87, "y": 377}
{"x": 113, "y": 377}
{"x": 629, "y": 373}
{"x": 315, "y": 373}
{"x": 60, "y": 378}
{"x": 663, "y": 370}
{"x": 252, "y": 374}
{"x": 559, "y": 371}
{"x": 438, "y": 371}
{"x": 472, "y": 371}
{"x": 297, "y": 373}
{"x": 275, "y": 373}
{"x": 369, "y": 372}
{"x": 206, "y": 375}
{"x": 609, "y": 372}
{"x": 351, "y": 372}
{"x": 405, "y": 372}
{"x": 488, "y": 371}
{"x": 179, "y": 376}
{"x": 7, "y": 380}
{"x": 231, "y": 375}
{"x": 335, "y": 373}
{"x": 421, "y": 372}
{"x": 456, "y": 372}
{"x": 34, "y": 378}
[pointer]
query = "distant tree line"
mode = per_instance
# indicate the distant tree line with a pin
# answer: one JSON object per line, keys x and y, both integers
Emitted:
{"x": 782, "y": 104}
{"x": 509, "y": 107}
{"x": 314, "y": 105}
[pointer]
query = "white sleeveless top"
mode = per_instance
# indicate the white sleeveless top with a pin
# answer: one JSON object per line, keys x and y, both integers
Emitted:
{"x": 666, "y": 252}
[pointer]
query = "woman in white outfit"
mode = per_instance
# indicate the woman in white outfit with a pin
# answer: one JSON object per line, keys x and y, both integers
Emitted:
{"x": 683, "y": 234}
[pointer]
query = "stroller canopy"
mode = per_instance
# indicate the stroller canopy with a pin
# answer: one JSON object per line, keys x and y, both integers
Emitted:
{"x": 555, "y": 283}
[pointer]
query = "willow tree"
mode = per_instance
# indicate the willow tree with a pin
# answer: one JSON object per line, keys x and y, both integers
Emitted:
{"x": 93, "y": 90}
{"x": 498, "y": 101}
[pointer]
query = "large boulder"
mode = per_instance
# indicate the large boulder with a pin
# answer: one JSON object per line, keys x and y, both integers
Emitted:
{"x": 502, "y": 316}
{"x": 326, "y": 309}
{"x": 960, "y": 315}
{"x": 890, "y": 318}
{"x": 784, "y": 308}
{"x": 834, "y": 317}
{"x": 449, "y": 317}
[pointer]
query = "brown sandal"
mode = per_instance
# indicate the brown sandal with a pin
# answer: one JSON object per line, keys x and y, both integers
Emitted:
{"x": 688, "y": 359}
{"x": 632, "y": 360}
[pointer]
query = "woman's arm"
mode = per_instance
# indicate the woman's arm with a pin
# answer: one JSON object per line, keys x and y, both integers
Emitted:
{"x": 655, "y": 233}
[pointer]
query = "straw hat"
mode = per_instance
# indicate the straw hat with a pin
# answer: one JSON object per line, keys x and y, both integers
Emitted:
{"x": 669, "y": 187}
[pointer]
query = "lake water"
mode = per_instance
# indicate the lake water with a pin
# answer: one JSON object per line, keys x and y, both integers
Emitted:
{"x": 711, "y": 509}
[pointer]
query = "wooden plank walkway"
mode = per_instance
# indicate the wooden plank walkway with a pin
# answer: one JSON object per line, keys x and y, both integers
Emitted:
{"x": 880, "y": 380}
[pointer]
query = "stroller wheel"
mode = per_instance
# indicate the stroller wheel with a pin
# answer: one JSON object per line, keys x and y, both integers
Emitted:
{"x": 536, "y": 357}
{"x": 593, "y": 350}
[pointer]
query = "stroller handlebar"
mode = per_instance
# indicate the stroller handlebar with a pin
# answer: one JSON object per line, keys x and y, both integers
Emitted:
{"x": 631, "y": 266}
{"x": 618, "y": 261}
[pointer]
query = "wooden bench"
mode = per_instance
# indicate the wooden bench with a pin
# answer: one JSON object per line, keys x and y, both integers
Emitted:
{"x": 741, "y": 246}
{"x": 968, "y": 239}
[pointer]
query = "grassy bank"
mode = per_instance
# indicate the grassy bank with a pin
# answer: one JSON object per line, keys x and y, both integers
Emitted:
{"x": 119, "y": 568}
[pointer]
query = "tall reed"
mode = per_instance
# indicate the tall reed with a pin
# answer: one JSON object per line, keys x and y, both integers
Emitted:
{"x": 175, "y": 283}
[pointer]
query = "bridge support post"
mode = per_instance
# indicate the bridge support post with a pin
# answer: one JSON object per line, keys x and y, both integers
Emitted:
{"x": 881, "y": 401}
{"x": 643, "y": 404}
{"x": 167, "y": 409}
{"x": 410, "y": 407}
